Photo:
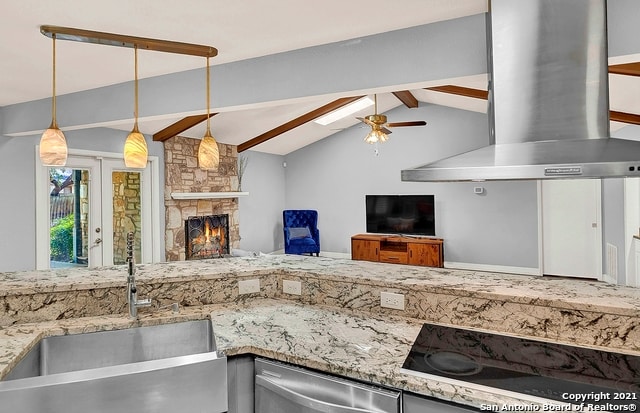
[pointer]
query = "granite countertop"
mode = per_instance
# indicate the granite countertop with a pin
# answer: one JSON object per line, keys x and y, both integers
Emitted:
{"x": 346, "y": 343}
{"x": 357, "y": 341}
{"x": 523, "y": 289}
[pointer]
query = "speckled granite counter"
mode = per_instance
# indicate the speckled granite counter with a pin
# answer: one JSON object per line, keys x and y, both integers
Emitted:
{"x": 335, "y": 325}
{"x": 587, "y": 313}
{"x": 343, "y": 342}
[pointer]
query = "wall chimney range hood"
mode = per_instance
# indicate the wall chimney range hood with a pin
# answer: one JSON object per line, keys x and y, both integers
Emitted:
{"x": 548, "y": 99}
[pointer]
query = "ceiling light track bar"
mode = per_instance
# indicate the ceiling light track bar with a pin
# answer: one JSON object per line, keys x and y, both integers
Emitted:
{"x": 119, "y": 40}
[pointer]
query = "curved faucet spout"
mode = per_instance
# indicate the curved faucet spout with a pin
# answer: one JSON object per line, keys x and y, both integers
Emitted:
{"x": 132, "y": 290}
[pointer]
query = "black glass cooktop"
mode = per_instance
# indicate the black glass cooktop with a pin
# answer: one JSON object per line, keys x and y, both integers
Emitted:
{"x": 546, "y": 370}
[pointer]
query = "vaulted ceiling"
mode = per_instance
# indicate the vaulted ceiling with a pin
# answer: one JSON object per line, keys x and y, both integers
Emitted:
{"x": 240, "y": 30}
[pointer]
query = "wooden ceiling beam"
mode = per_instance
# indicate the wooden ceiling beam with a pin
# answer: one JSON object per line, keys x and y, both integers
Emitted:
{"x": 629, "y": 69}
{"x": 407, "y": 98}
{"x": 179, "y": 127}
{"x": 624, "y": 117}
{"x": 301, "y": 120}
{"x": 461, "y": 91}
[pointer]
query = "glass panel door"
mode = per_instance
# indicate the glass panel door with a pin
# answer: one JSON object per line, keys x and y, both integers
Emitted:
{"x": 85, "y": 210}
{"x": 127, "y": 214}
{"x": 126, "y": 207}
{"x": 68, "y": 217}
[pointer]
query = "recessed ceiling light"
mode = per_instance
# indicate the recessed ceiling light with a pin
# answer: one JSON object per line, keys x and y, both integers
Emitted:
{"x": 344, "y": 111}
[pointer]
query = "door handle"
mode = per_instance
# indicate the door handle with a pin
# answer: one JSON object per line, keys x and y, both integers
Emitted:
{"x": 96, "y": 243}
{"x": 306, "y": 401}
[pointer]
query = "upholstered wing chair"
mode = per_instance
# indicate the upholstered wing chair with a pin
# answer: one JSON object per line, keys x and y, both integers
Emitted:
{"x": 301, "y": 234}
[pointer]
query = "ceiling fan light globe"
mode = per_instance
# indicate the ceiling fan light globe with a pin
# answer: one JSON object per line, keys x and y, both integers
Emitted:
{"x": 375, "y": 136}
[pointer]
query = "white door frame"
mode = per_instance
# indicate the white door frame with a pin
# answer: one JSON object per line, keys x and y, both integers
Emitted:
{"x": 152, "y": 225}
{"x": 631, "y": 229}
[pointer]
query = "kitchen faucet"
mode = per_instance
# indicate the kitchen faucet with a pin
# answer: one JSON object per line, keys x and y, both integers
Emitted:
{"x": 132, "y": 291}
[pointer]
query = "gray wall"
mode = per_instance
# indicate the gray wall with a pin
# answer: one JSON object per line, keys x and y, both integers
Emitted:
{"x": 17, "y": 209}
{"x": 496, "y": 228}
{"x": 613, "y": 209}
{"x": 613, "y": 223}
{"x": 261, "y": 212}
{"x": 439, "y": 50}
{"x": 499, "y": 227}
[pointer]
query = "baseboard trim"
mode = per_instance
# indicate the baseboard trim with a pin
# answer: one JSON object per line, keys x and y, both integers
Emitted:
{"x": 492, "y": 268}
{"x": 609, "y": 279}
{"x": 340, "y": 255}
{"x": 328, "y": 254}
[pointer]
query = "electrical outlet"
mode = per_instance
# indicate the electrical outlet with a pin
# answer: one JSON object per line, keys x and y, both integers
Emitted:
{"x": 249, "y": 286}
{"x": 291, "y": 287}
{"x": 391, "y": 300}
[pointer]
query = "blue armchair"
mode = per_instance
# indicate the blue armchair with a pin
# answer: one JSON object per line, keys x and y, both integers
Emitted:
{"x": 301, "y": 233}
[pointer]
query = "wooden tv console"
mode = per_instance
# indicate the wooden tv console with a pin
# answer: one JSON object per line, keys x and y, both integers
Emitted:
{"x": 398, "y": 249}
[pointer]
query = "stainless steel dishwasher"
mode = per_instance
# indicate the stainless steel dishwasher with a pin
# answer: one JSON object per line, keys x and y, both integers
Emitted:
{"x": 281, "y": 388}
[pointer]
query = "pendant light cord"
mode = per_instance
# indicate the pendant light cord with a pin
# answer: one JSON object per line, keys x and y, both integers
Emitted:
{"x": 135, "y": 105}
{"x": 208, "y": 98}
{"x": 53, "y": 96}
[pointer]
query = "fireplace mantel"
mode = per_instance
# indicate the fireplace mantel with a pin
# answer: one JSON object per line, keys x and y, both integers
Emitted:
{"x": 207, "y": 195}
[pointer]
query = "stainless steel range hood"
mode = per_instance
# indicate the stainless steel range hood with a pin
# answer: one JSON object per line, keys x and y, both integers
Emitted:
{"x": 548, "y": 99}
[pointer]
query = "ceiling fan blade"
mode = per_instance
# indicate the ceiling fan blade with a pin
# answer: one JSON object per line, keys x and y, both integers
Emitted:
{"x": 409, "y": 123}
{"x": 385, "y": 130}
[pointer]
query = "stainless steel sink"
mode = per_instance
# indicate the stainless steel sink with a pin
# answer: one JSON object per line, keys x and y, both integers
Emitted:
{"x": 170, "y": 367}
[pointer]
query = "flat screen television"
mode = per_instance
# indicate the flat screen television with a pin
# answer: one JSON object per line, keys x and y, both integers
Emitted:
{"x": 401, "y": 214}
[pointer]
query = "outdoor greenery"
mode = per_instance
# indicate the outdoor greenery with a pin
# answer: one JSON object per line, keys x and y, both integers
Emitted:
{"x": 62, "y": 239}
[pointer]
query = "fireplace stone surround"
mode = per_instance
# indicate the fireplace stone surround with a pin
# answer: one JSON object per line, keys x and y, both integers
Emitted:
{"x": 183, "y": 175}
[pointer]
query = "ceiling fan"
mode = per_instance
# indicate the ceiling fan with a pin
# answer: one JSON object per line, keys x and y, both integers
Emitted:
{"x": 379, "y": 125}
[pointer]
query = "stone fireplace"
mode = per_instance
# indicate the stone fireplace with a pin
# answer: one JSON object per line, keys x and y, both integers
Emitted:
{"x": 182, "y": 175}
{"x": 206, "y": 237}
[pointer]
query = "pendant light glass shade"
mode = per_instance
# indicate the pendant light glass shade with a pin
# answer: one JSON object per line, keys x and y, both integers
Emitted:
{"x": 208, "y": 152}
{"x": 135, "y": 147}
{"x": 135, "y": 150}
{"x": 53, "y": 145}
{"x": 376, "y": 135}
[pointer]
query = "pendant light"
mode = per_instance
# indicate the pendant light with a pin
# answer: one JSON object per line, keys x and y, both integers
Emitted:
{"x": 208, "y": 152}
{"x": 53, "y": 145}
{"x": 135, "y": 147}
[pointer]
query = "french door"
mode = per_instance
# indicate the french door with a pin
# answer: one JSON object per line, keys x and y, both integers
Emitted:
{"x": 86, "y": 209}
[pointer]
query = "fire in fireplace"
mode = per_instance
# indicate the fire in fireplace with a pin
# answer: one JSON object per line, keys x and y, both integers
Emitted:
{"x": 206, "y": 236}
